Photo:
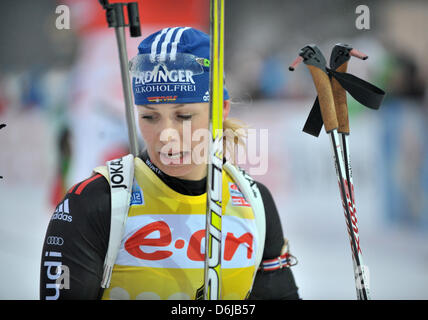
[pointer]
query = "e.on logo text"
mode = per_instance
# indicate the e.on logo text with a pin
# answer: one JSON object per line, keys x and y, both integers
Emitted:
{"x": 157, "y": 243}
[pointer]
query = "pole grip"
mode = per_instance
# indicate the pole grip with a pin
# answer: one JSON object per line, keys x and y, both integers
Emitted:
{"x": 340, "y": 102}
{"x": 325, "y": 97}
{"x": 134, "y": 20}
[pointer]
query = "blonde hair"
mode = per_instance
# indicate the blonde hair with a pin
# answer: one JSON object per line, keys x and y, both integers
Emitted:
{"x": 234, "y": 136}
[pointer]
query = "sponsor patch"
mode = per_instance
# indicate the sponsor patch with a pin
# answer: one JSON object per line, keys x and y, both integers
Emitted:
{"x": 236, "y": 196}
{"x": 163, "y": 241}
{"x": 162, "y": 99}
{"x": 137, "y": 197}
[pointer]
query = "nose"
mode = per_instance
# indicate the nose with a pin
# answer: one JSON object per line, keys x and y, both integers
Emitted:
{"x": 168, "y": 132}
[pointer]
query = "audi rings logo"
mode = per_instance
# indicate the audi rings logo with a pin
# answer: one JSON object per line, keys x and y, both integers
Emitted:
{"x": 55, "y": 241}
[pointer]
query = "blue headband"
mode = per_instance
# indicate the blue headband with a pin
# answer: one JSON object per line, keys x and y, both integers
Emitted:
{"x": 172, "y": 66}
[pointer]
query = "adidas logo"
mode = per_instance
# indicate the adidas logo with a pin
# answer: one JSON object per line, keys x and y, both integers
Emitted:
{"x": 206, "y": 96}
{"x": 62, "y": 212}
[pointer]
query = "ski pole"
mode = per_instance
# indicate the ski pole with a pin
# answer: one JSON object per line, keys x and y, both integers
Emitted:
{"x": 116, "y": 19}
{"x": 339, "y": 58}
{"x": 316, "y": 63}
{"x": 211, "y": 288}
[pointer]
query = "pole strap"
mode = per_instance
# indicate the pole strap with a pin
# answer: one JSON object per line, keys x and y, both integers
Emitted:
{"x": 364, "y": 92}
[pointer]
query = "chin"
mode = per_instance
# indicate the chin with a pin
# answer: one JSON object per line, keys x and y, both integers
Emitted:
{"x": 178, "y": 171}
{"x": 175, "y": 168}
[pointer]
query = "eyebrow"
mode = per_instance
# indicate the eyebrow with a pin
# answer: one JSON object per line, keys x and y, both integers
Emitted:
{"x": 151, "y": 108}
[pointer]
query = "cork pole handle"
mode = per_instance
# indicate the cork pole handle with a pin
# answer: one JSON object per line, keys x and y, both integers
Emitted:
{"x": 339, "y": 95}
{"x": 325, "y": 97}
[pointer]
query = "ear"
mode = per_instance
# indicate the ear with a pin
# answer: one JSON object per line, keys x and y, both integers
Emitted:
{"x": 226, "y": 109}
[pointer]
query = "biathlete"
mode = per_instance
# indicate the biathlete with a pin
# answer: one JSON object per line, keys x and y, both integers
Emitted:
{"x": 159, "y": 254}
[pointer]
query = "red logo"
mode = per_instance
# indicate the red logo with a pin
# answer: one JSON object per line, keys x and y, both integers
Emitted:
{"x": 162, "y": 99}
{"x": 139, "y": 238}
{"x": 194, "y": 248}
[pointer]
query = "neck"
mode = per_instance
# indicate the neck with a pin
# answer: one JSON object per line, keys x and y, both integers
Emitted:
{"x": 184, "y": 185}
{"x": 197, "y": 174}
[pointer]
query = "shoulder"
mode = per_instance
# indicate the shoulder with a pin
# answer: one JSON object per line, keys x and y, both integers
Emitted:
{"x": 264, "y": 191}
{"x": 271, "y": 211}
{"x": 93, "y": 184}
{"x": 88, "y": 200}
{"x": 94, "y": 188}
{"x": 274, "y": 233}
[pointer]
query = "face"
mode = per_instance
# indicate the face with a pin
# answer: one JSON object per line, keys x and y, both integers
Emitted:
{"x": 174, "y": 137}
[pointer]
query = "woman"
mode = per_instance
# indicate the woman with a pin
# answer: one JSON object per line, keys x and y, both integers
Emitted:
{"x": 161, "y": 254}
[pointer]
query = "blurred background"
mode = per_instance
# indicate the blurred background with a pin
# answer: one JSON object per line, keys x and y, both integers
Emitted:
{"x": 62, "y": 105}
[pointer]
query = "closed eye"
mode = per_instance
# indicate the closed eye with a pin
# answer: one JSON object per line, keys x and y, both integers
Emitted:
{"x": 148, "y": 117}
{"x": 185, "y": 116}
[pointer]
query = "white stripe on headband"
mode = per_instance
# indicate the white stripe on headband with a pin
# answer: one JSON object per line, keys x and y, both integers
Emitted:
{"x": 155, "y": 44}
{"x": 165, "y": 44}
{"x": 176, "y": 41}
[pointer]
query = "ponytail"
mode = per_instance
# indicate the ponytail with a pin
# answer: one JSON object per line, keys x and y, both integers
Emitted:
{"x": 234, "y": 138}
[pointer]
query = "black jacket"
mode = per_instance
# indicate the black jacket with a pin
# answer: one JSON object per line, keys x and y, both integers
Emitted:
{"x": 78, "y": 234}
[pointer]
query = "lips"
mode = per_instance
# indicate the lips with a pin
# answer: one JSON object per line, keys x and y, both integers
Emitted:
{"x": 181, "y": 157}
{"x": 174, "y": 155}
